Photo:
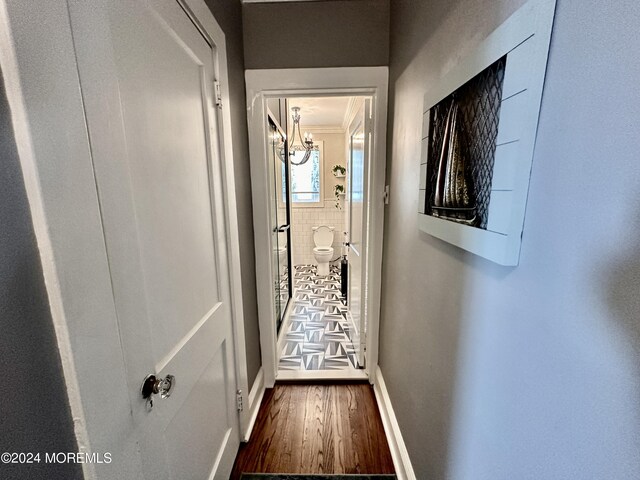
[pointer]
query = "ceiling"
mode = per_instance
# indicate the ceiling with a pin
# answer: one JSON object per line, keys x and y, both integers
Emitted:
{"x": 322, "y": 111}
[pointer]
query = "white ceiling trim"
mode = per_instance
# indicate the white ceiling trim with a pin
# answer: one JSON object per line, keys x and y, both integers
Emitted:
{"x": 279, "y": 1}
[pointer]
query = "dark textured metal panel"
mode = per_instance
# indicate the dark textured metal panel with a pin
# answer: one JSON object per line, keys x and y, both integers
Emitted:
{"x": 479, "y": 101}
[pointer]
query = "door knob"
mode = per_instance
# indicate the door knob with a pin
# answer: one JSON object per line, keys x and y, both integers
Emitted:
{"x": 153, "y": 385}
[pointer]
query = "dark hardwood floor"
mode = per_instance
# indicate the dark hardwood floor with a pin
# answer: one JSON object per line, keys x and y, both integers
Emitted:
{"x": 317, "y": 428}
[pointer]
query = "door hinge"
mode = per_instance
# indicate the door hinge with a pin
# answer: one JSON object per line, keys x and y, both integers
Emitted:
{"x": 385, "y": 195}
{"x": 239, "y": 401}
{"x": 217, "y": 93}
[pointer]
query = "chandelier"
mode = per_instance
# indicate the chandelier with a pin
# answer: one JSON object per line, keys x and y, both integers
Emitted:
{"x": 305, "y": 145}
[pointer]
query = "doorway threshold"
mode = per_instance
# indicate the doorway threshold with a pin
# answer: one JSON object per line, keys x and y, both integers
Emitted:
{"x": 346, "y": 374}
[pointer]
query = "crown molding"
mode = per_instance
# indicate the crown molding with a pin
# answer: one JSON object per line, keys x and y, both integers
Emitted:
{"x": 352, "y": 108}
{"x": 323, "y": 129}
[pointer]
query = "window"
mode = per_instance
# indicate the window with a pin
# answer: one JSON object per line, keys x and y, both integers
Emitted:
{"x": 305, "y": 180}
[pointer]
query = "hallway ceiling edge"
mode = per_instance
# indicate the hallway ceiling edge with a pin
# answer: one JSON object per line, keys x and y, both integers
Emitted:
{"x": 285, "y": 1}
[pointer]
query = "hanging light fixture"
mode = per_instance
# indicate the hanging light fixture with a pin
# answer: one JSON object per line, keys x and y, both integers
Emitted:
{"x": 305, "y": 145}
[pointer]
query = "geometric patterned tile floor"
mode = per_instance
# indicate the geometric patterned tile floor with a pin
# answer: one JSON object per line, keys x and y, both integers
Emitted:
{"x": 319, "y": 336}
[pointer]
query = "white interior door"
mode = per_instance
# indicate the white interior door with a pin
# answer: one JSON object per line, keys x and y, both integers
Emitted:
{"x": 359, "y": 142}
{"x": 147, "y": 76}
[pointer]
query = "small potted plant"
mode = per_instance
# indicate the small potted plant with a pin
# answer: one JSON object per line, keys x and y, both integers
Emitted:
{"x": 338, "y": 190}
{"x": 339, "y": 171}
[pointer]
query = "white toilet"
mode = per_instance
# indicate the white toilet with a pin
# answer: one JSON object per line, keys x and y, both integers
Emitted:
{"x": 323, "y": 239}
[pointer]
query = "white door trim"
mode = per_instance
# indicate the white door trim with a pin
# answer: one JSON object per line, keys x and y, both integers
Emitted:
{"x": 202, "y": 15}
{"x": 353, "y": 126}
{"x": 37, "y": 58}
{"x": 254, "y": 402}
{"x": 263, "y": 84}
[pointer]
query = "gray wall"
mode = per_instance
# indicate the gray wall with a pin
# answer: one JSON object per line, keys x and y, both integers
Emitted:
{"x": 228, "y": 14}
{"x": 316, "y": 34}
{"x": 530, "y": 372}
{"x": 34, "y": 408}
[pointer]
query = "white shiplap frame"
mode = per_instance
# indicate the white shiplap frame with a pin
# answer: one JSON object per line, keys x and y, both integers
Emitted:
{"x": 524, "y": 38}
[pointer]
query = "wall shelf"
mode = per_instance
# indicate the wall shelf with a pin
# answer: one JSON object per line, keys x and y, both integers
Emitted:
{"x": 524, "y": 39}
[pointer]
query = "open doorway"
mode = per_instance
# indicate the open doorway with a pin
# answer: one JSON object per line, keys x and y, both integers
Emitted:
{"x": 318, "y": 205}
{"x": 318, "y": 147}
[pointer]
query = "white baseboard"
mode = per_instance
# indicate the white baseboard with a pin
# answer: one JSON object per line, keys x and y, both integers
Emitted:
{"x": 399, "y": 453}
{"x": 254, "y": 400}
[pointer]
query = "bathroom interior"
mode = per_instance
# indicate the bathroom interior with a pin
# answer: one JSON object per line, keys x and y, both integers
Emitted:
{"x": 317, "y": 169}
